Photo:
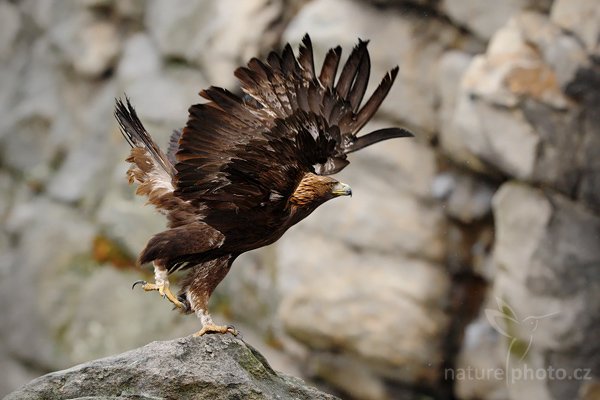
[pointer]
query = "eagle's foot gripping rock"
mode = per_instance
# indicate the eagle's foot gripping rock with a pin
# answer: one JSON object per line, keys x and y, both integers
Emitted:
{"x": 217, "y": 329}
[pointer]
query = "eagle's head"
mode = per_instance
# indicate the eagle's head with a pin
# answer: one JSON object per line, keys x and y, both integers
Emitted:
{"x": 314, "y": 190}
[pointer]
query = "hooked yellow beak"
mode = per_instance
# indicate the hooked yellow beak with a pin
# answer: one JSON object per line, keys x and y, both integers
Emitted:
{"x": 341, "y": 189}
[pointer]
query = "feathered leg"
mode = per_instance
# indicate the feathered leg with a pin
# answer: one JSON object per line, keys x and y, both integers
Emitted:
{"x": 199, "y": 286}
{"x": 161, "y": 284}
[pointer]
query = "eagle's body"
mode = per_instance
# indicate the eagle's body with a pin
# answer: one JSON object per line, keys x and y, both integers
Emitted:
{"x": 244, "y": 170}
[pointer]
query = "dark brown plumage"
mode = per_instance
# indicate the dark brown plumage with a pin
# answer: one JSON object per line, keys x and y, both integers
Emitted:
{"x": 244, "y": 170}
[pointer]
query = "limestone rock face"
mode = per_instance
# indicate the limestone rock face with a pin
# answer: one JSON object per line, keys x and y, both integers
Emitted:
{"x": 580, "y": 17}
{"x": 518, "y": 92}
{"x": 466, "y": 199}
{"x": 10, "y": 20}
{"x": 213, "y": 367}
{"x": 548, "y": 260}
{"x": 485, "y": 17}
{"x": 89, "y": 45}
{"x": 219, "y": 35}
{"x": 379, "y": 313}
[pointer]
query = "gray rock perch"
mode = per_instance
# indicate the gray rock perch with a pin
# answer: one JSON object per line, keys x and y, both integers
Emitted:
{"x": 211, "y": 367}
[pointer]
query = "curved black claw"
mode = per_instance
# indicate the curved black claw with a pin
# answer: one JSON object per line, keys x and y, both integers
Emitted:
{"x": 231, "y": 329}
{"x": 140, "y": 282}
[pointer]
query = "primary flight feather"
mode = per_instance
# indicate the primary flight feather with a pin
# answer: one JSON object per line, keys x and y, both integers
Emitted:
{"x": 245, "y": 169}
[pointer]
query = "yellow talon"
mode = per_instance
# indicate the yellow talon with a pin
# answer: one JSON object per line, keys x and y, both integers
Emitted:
{"x": 216, "y": 329}
{"x": 163, "y": 290}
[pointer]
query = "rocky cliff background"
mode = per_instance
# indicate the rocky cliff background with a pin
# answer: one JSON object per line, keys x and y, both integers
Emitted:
{"x": 473, "y": 247}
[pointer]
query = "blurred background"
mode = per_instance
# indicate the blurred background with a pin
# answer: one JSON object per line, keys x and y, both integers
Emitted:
{"x": 473, "y": 247}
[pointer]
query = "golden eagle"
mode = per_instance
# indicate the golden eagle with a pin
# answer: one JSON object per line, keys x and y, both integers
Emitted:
{"x": 245, "y": 169}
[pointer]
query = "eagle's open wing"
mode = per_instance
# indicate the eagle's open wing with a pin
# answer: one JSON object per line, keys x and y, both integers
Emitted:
{"x": 239, "y": 153}
{"x": 285, "y": 85}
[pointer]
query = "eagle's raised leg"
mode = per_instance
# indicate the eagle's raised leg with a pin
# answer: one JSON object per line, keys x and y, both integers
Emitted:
{"x": 161, "y": 284}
